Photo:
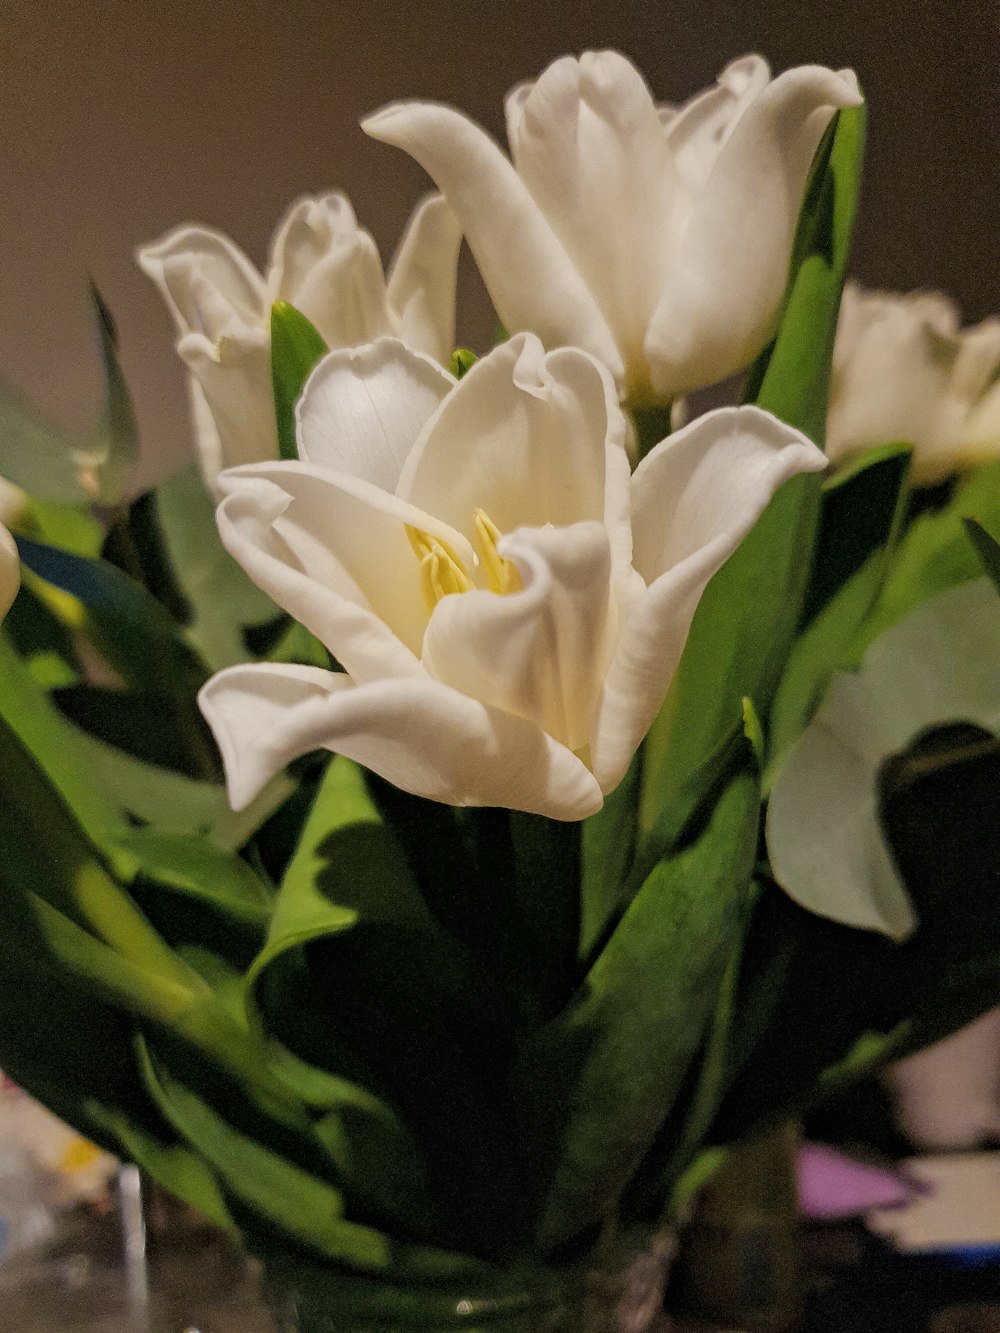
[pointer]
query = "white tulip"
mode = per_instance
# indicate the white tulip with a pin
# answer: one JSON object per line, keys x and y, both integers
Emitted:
{"x": 657, "y": 238}
{"x": 10, "y": 571}
{"x": 326, "y": 266}
{"x": 904, "y": 370}
{"x": 507, "y": 602}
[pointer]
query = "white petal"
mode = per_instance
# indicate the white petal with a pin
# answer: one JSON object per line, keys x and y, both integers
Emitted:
{"x": 695, "y": 497}
{"x": 980, "y": 436}
{"x": 333, "y": 552}
{"x": 526, "y": 436}
{"x": 894, "y": 358}
{"x": 533, "y": 283}
{"x": 729, "y": 271}
{"x": 422, "y": 278}
{"x": 234, "y": 377}
{"x": 697, "y": 130}
{"x": 539, "y": 653}
{"x": 362, "y": 409}
{"x": 10, "y": 571}
{"x": 419, "y": 735}
{"x": 587, "y": 142}
{"x": 713, "y": 477}
{"x": 329, "y": 268}
{"x": 208, "y": 283}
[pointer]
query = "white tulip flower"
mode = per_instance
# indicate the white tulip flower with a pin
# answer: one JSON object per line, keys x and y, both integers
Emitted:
{"x": 507, "y": 602}
{"x": 328, "y": 267}
{"x": 656, "y": 238}
{"x": 10, "y": 571}
{"x": 904, "y": 370}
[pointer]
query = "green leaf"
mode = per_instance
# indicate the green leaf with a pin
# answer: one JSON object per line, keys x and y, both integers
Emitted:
{"x": 202, "y": 871}
{"x": 863, "y": 506}
{"x": 987, "y": 548}
{"x": 364, "y": 864}
{"x": 296, "y": 346}
{"x": 859, "y": 526}
{"x": 57, "y": 751}
{"x": 749, "y": 613}
{"x": 826, "y": 847}
{"x": 70, "y": 527}
{"x": 116, "y": 444}
{"x": 130, "y": 627}
{"x": 177, "y": 1168}
{"x": 615, "y": 1063}
{"x": 134, "y": 634}
{"x": 608, "y": 845}
{"x": 934, "y": 554}
{"x": 172, "y": 802}
{"x": 220, "y": 598}
{"x": 304, "y": 1207}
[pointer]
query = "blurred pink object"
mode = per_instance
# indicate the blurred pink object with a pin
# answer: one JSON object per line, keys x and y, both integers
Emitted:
{"x": 948, "y": 1096}
{"x": 834, "y": 1186}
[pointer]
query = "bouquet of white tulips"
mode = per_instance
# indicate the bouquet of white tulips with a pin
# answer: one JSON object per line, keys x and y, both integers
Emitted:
{"x": 439, "y": 822}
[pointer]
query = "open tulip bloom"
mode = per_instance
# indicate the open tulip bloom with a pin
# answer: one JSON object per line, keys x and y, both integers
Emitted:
{"x": 507, "y": 602}
{"x": 656, "y": 237}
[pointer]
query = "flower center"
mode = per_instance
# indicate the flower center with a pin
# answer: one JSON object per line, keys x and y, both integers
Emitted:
{"x": 443, "y": 573}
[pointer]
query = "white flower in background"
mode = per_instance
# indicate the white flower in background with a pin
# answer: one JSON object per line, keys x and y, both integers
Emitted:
{"x": 507, "y": 602}
{"x": 326, "y": 266}
{"x": 904, "y": 370}
{"x": 10, "y": 571}
{"x": 657, "y": 238}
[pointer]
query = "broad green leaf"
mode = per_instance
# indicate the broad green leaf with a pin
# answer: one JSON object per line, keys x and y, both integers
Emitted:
{"x": 129, "y": 626}
{"x": 220, "y": 597}
{"x": 296, "y": 346}
{"x": 59, "y": 752}
{"x": 859, "y": 526}
{"x": 177, "y": 1168}
{"x": 201, "y": 870}
{"x": 305, "y": 1208}
{"x": 615, "y": 1063}
{"x": 70, "y": 527}
{"x": 862, "y": 510}
{"x": 749, "y": 613}
{"x": 826, "y": 847}
{"x": 934, "y": 554}
{"x": 987, "y": 548}
{"x": 330, "y": 880}
{"x": 608, "y": 844}
{"x": 171, "y": 802}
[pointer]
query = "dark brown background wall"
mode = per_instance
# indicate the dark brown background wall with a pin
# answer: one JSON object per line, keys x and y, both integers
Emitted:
{"x": 124, "y": 117}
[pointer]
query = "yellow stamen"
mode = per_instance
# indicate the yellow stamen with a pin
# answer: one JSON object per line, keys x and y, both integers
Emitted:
{"x": 502, "y": 573}
{"x": 441, "y": 571}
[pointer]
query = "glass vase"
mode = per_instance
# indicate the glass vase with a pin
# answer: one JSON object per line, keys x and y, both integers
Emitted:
{"x": 621, "y": 1294}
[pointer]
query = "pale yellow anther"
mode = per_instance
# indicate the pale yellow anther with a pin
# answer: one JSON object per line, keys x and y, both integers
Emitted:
{"x": 502, "y": 573}
{"x": 441, "y": 571}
